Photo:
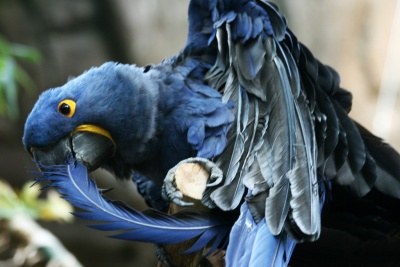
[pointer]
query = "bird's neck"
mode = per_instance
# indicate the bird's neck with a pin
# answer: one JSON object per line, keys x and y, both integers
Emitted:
{"x": 167, "y": 144}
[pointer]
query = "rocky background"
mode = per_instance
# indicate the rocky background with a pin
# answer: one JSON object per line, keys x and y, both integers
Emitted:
{"x": 353, "y": 36}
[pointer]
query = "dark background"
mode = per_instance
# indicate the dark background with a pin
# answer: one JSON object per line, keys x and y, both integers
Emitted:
{"x": 73, "y": 35}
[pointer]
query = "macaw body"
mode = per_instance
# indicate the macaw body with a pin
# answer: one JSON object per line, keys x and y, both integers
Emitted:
{"x": 243, "y": 96}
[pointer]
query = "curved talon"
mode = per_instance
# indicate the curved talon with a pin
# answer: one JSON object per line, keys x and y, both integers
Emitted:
{"x": 216, "y": 175}
{"x": 182, "y": 203}
{"x": 217, "y": 181}
{"x": 171, "y": 194}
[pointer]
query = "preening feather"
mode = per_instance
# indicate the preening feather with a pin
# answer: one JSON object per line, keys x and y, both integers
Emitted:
{"x": 73, "y": 183}
{"x": 271, "y": 145}
{"x": 281, "y": 136}
{"x": 303, "y": 184}
{"x": 228, "y": 196}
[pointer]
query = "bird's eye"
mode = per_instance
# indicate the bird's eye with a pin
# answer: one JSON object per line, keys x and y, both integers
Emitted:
{"x": 67, "y": 108}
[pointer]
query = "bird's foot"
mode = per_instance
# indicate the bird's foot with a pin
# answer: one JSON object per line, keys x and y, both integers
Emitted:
{"x": 196, "y": 171}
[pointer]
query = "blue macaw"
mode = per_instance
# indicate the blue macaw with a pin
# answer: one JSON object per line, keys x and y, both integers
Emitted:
{"x": 243, "y": 98}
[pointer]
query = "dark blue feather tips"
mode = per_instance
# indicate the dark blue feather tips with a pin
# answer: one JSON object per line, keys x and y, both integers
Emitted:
{"x": 248, "y": 20}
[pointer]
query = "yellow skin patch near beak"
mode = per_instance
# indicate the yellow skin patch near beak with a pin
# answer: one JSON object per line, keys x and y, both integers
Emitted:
{"x": 93, "y": 129}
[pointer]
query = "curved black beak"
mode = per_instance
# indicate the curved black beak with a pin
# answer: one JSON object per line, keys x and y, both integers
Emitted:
{"x": 54, "y": 155}
{"x": 93, "y": 149}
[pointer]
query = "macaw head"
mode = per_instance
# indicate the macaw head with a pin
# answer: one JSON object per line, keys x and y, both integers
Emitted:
{"x": 99, "y": 117}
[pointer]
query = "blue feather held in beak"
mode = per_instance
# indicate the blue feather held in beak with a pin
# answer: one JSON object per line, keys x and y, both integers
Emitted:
{"x": 72, "y": 181}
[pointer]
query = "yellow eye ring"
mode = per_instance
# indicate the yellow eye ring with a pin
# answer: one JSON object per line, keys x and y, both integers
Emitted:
{"x": 67, "y": 108}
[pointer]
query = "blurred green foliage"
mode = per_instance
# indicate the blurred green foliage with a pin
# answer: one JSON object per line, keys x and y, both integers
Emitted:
{"x": 27, "y": 201}
{"x": 12, "y": 75}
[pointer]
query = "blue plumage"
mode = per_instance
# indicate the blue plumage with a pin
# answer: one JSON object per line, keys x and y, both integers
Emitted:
{"x": 150, "y": 191}
{"x": 72, "y": 182}
{"x": 159, "y": 105}
{"x": 257, "y": 246}
{"x": 243, "y": 94}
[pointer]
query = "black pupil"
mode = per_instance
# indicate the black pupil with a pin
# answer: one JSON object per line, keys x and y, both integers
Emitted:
{"x": 65, "y": 109}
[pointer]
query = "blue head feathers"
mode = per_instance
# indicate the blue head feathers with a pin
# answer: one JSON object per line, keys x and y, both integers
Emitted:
{"x": 122, "y": 117}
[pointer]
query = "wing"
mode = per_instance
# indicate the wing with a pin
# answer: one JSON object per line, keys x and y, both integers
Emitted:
{"x": 271, "y": 146}
{"x": 291, "y": 119}
{"x": 347, "y": 152}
